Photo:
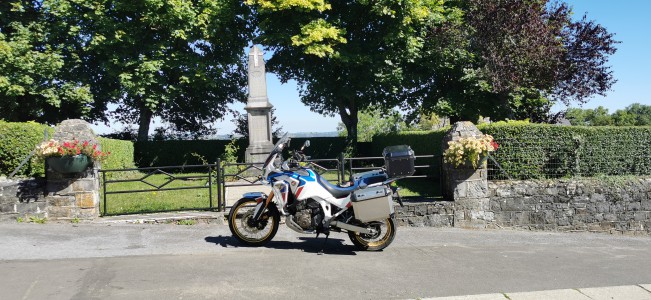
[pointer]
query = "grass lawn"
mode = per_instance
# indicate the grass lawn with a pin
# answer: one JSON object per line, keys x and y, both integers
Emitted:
{"x": 153, "y": 200}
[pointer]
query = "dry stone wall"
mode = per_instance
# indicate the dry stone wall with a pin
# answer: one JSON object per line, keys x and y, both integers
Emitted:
{"x": 597, "y": 205}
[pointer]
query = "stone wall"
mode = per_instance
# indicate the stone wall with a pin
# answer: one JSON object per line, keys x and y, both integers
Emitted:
{"x": 597, "y": 205}
{"x": 21, "y": 198}
{"x": 429, "y": 214}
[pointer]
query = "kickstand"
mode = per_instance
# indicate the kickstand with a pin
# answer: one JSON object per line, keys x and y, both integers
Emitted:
{"x": 324, "y": 244}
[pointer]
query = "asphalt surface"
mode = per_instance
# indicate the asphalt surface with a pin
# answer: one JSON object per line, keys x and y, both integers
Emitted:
{"x": 203, "y": 261}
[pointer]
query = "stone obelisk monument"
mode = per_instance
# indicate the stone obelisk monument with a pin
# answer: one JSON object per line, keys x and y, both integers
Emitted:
{"x": 258, "y": 110}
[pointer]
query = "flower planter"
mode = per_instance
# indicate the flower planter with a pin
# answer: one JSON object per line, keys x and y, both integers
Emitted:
{"x": 69, "y": 164}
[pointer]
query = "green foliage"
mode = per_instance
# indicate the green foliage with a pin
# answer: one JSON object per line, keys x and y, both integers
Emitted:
{"x": 634, "y": 115}
{"x": 321, "y": 147}
{"x": 37, "y": 219}
{"x": 373, "y": 122}
{"x": 35, "y": 83}
{"x": 121, "y": 154}
{"x": 175, "y": 153}
{"x": 422, "y": 142}
{"x": 186, "y": 222}
{"x": 347, "y": 56}
{"x": 18, "y": 141}
{"x": 548, "y": 151}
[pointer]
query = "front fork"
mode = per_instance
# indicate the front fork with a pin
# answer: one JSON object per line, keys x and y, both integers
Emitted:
{"x": 263, "y": 203}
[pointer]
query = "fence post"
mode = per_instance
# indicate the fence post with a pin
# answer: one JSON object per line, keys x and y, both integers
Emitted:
{"x": 219, "y": 185}
{"x": 466, "y": 186}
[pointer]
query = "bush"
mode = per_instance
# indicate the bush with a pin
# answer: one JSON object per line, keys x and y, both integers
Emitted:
{"x": 121, "y": 156}
{"x": 18, "y": 141}
{"x": 551, "y": 151}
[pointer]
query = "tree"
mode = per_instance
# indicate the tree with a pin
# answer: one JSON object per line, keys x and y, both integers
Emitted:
{"x": 513, "y": 59}
{"x": 373, "y": 122}
{"x": 346, "y": 55}
{"x": 34, "y": 82}
{"x": 178, "y": 60}
{"x": 635, "y": 114}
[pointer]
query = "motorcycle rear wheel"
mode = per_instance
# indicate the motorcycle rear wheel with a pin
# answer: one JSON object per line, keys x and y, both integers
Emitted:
{"x": 248, "y": 232}
{"x": 386, "y": 231}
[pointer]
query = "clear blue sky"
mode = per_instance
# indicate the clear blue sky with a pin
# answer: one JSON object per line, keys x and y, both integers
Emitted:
{"x": 628, "y": 19}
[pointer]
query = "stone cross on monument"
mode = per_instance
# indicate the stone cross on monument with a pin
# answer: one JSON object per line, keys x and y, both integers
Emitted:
{"x": 258, "y": 110}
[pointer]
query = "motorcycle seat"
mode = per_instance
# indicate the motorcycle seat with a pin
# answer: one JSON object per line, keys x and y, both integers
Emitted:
{"x": 336, "y": 191}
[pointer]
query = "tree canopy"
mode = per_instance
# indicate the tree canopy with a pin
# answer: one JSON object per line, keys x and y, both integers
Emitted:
{"x": 513, "y": 59}
{"x": 178, "y": 60}
{"x": 34, "y": 82}
{"x": 347, "y": 55}
{"x": 635, "y": 114}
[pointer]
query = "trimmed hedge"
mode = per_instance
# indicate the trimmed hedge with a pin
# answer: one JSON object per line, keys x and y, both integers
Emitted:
{"x": 177, "y": 153}
{"x": 323, "y": 147}
{"x": 18, "y": 140}
{"x": 422, "y": 142}
{"x": 551, "y": 151}
{"x": 121, "y": 156}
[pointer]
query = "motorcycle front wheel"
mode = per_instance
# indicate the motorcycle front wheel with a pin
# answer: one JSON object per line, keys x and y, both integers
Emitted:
{"x": 248, "y": 231}
{"x": 382, "y": 238}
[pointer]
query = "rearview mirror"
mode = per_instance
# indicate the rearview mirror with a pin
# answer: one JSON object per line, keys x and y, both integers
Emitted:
{"x": 306, "y": 144}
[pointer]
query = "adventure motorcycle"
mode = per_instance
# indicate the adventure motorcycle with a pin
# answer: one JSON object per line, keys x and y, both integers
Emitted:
{"x": 311, "y": 204}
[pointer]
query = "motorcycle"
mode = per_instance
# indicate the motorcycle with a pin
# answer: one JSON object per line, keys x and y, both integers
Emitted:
{"x": 311, "y": 204}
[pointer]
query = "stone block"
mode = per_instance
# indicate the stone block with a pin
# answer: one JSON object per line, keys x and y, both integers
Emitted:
{"x": 8, "y": 207}
{"x": 58, "y": 187}
{"x": 86, "y": 200}
{"x": 597, "y": 198}
{"x": 30, "y": 207}
{"x": 537, "y": 218}
{"x": 420, "y": 210}
{"x": 641, "y": 216}
{"x": 416, "y": 221}
{"x": 61, "y": 200}
{"x": 522, "y": 218}
{"x": 513, "y": 204}
{"x": 477, "y": 189}
{"x": 84, "y": 185}
{"x": 61, "y": 212}
{"x": 646, "y": 204}
{"x": 460, "y": 190}
{"x": 610, "y": 217}
{"x": 495, "y": 205}
{"x": 88, "y": 213}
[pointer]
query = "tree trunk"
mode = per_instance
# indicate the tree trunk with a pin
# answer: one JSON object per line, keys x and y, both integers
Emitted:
{"x": 350, "y": 119}
{"x": 143, "y": 123}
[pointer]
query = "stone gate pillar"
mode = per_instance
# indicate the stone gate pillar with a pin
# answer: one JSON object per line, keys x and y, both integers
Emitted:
{"x": 74, "y": 195}
{"x": 467, "y": 187}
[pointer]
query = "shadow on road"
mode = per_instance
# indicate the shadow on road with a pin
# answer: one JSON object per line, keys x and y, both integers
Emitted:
{"x": 307, "y": 244}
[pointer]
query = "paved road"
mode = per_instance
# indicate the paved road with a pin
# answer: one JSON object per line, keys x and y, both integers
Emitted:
{"x": 141, "y": 261}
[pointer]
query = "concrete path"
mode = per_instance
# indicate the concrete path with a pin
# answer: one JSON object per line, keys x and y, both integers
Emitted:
{"x": 203, "y": 261}
{"x": 627, "y": 292}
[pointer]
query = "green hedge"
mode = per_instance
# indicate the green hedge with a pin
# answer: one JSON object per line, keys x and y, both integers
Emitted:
{"x": 550, "y": 151}
{"x": 177, "y": 153}
{"x": 422, "y": 142}
{"x": 322, "y": 147}
{"x": 18, "y": 140}
{"x": 121, "y": 156}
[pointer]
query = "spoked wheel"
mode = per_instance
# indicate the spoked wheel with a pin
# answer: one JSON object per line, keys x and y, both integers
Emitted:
{"x": 382, "y": 238}
{"x": 246, "y": 230}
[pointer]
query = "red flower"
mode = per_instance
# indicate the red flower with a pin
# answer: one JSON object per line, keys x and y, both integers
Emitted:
{"x": 494, "y": 145}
